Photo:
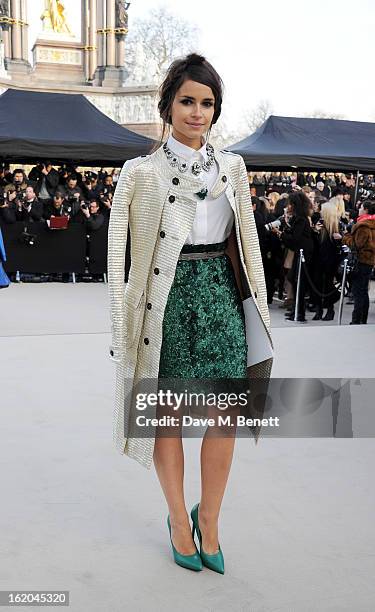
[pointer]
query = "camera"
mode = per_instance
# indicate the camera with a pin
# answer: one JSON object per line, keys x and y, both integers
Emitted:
{"x": 67, "y": 206}
{"x": 274, "y": 224}
{"x": 21, "y": 197}
{"x": 27, "y": 238}
{"x": 104, "y": 197}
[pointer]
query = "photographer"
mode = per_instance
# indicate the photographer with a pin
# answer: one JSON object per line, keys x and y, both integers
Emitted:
{"x": 14, "y": 193}
{"x": 93, "y": 188}
{"x": 72, "y": 191}
{"x": 105, "y": 204}
{"x": 73, "y": 196}
{"x": 94, "y": 219}
{"x": 28, "y": 207}
{"x": 45, "y": 179}
{"x": 18, "y": 184}
{"x": 108, "y": 186}
{"x": 298, "y": 235}
{"x": 57, "y": 207}
{"x": 7, "y": 208}
{"x": 362, "y": 238}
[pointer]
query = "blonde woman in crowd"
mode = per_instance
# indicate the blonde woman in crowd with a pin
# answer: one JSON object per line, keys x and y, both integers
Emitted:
{"x": 273, "y": 199}
{"x": 338, "y": 201}
{"x": 326, "y": 261}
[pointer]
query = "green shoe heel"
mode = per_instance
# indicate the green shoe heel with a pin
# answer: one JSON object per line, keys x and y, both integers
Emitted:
{"x": 215, "y": 561}
{"x": 193, "y": 562}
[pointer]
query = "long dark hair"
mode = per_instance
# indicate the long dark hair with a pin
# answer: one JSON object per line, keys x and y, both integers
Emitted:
{"x": 301, "y": 204}
{"x": 193, "y": 67}
{"x": 260, "y": 207}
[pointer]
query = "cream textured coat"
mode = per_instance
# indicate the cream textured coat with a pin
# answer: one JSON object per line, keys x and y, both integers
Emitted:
{"x": 158, "y": 203}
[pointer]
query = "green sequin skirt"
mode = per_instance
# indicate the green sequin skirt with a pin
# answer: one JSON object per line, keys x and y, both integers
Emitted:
{"x": 204, "y": 323}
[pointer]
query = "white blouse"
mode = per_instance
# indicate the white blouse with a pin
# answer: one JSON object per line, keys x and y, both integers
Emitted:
{"x": 213, "y": 219}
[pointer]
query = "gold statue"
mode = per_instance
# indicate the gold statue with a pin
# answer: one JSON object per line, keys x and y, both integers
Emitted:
{"x": 54, "y": 19}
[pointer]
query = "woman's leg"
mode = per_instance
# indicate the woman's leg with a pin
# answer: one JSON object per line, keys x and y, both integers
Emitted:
{"x": 169, "y": 465}
{"x": 216, "y": 459}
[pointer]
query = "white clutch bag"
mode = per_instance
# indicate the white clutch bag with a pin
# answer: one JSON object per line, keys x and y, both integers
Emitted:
{"x": 259, "y": 347}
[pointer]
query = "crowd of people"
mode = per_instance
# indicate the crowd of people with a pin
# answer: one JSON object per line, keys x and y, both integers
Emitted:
{"x": 323, "y": 216}
{"x": 321, "y": 183}
{"x": 317, "y": 212}
{"x": 47, "y": 192}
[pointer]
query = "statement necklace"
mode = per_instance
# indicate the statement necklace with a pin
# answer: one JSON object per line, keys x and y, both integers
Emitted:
{"x": 197, "y": 167}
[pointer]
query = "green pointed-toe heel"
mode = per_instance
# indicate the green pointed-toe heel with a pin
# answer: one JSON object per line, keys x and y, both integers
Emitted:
{"x": 215, "y": 561}
{"x": 193, "y": 562}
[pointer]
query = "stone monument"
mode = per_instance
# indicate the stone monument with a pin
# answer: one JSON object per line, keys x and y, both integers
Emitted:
{"x": 56, "y": 50}
{"x": 83, "y": 52}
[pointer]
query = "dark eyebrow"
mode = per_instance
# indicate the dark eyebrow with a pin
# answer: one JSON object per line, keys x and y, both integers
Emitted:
{"x": 192, "y": 98}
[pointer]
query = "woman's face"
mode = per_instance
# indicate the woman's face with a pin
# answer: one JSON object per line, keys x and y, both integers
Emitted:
{"x": 192, "y": 113}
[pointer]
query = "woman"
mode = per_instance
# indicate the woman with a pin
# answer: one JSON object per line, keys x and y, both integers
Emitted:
{"x": 299, "y": 236}
{"x": 326, "y": 262}
{"x": 272, "y": 253}
{"x": 273, "y": 199}
{"x": 338, "y": 201}
{"x": 362, "y": 239}
{"x": 194, "y": 254}
{"x": 260, "y": 210}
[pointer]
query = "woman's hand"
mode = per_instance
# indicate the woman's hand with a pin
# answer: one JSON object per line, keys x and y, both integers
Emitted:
{"x": 336, "y": 236}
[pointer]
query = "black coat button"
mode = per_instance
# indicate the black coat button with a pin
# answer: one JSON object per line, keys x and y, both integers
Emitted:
{"x": 156, "y": 270}
{"x": 149, "y": 305}
{"x": 146, "y": 341}
{"x": 175, "y": 181}
{"x": 224, "y": 179}
{"x": 111, "y": 353}
{"x": 171, "y": 198}
{"x": 234, "y": 193}
{"x": 162, "y": 234}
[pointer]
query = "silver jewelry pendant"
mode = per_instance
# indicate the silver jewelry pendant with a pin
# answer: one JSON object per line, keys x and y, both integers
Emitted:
{"x": 196, "y": 167}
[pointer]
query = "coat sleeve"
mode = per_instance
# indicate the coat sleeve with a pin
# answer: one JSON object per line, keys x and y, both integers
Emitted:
{"x": 251, "y": 248}
{"x": 117, "y": 235}
{"x": 362, "y": 237}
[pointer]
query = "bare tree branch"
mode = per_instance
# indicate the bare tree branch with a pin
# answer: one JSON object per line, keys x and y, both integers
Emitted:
{"x": 154, "y": 42}
{"x": 319, "y": 114}
{"x": 258, "y": 115}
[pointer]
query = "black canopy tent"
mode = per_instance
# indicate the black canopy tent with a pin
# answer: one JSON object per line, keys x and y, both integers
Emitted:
{"x": 286, "y": 143}
{"x": 63, "y": 127}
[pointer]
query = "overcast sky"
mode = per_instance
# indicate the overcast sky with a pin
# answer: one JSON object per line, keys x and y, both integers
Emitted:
{"x": 299, "y": 55}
